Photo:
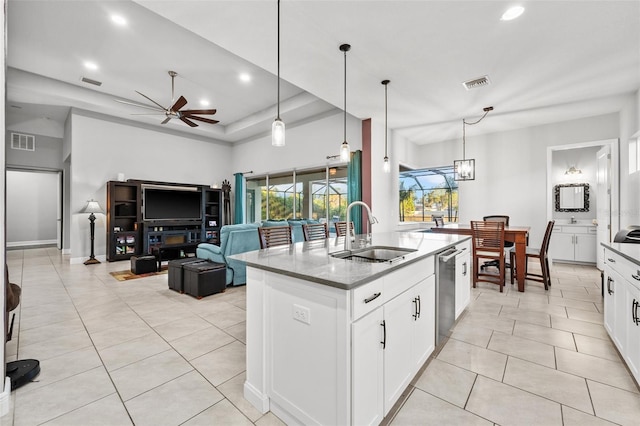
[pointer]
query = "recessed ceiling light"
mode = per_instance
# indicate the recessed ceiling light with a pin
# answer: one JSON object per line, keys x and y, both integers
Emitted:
{"x": 512, "y": 13}
{"x": 204, "y": 102}
{"x": 90, "y": 65}
{"x": 118, "y": 20}
{"x": 245, "y": 77}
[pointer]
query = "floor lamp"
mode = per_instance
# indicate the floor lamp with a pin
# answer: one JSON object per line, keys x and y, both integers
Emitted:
{"x": 92, "y": 207}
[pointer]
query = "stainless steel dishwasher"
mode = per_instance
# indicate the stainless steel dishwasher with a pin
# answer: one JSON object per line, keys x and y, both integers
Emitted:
{"x": 446, "y": 292}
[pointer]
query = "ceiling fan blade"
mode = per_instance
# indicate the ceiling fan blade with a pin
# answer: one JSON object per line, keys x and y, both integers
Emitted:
{"x": 141, "y": 105}
{"x": 166, "y": 120}
{"x": 141, "y": 94}
{"x": 206, "y": 120}
{"x": 179, "y": 104}
{"x": 189, "y": 122}
{"x": 198, "y": 111}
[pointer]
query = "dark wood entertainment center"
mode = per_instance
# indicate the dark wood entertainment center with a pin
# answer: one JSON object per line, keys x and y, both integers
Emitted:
{"x": 130, "y": 232}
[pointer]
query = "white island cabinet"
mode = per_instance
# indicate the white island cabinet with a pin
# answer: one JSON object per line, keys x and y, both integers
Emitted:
{"x": 331, "y": 342}
{"x": 622, "y": 301}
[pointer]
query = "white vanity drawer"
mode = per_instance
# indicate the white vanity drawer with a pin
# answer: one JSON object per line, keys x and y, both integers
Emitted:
{"x": 366, "y": 298}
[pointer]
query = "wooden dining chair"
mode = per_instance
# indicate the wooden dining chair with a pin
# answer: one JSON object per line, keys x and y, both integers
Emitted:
{"x": 271, "y": 236}
{"x": 439, "y": 220}
{"x": 488, "y": 244}
{"x": 541, "y": 254}
{"x": 315, "y": 231}
{"x": 507, "y": 244}
{"x": 341, "y": 228}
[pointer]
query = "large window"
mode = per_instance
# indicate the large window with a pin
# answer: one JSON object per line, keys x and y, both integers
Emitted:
{"x": 427, "y": 193}
{"x": 319, "y": 194}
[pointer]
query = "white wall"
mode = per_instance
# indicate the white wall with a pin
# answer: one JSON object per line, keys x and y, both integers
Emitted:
{"x": 47, "y": 155}
{"x": 585, "y": 160}
{"x": 511, "y": 168}
{"x": 31, "y": 208}
{"x": 102, "y": 149}
{"x": 629, "y": 184}
{"x": 4, "y": 385}
{"x": 307, "y": 146}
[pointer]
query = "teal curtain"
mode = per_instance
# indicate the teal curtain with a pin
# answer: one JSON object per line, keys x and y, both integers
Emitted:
{"x": 354, "y": 188}
{"x": 239, "y": 210}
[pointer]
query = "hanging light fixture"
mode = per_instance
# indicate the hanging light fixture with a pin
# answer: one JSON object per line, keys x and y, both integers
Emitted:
{"x": 277, "y": 128}
{"x": 573, "y": 171}
{"x": 466, "y": 169}
{"x": 386, "y": 167}
{"x": 344, "y": 149}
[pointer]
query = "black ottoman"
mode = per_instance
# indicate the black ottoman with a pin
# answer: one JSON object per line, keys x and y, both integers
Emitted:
{"x": 176, "y": 273}
{"x": 143, "y": 264}
{"x": 204, "y": 279}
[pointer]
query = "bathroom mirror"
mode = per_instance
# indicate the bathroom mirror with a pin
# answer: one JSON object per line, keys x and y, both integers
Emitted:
{"x": 572, "y": 197}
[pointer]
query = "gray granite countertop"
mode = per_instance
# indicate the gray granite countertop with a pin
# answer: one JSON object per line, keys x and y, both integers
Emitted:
{"x": 629, "y": 251}
{"x": 311, "y": 261}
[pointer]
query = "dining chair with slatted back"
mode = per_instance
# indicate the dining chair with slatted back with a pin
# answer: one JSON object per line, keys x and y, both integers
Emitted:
{"x": 271, "y": 236}
{"x": 507, "y": 244}
{"x": 488, "y": 244}
{"x": 542, "y": 255}
{"x": 439, "y": 220}
{"x": 315, "y": 231}
{"x": 341, "y": 228}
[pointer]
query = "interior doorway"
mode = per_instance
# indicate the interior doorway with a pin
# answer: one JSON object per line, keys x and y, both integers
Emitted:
{"x": 605, "y": 191}
{"x": 33, "y": 208}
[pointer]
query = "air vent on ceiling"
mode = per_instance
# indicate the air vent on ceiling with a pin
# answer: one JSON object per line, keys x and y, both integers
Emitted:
{"x": 476, "y": 82}
{"x": 90, "y": 81}
{"x": 23, "y": 142}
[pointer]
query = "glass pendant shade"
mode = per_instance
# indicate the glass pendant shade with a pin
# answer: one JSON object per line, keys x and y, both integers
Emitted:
{"x": 464, "y": 169}
{"x": 277, "y": 132}
{"x": 386, "y": 167}
{"x": 344, "y": 151}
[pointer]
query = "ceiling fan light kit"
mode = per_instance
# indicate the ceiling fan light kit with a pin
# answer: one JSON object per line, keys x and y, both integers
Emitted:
{"x": 186, "y": 116}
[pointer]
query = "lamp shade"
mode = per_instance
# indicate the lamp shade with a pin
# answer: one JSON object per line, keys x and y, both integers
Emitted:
{"x": 92, "y": 207}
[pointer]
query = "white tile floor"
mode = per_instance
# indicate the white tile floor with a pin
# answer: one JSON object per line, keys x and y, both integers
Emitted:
{"x": 135, "y": 352}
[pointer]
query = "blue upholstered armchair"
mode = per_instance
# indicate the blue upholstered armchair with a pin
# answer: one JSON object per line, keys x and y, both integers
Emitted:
{"x": 234, "y": 239}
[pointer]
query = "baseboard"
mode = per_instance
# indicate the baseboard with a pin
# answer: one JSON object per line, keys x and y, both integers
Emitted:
{"x": 79, "y": 260}
{"x": 5, "y": 397}
{"x": 16, "y": 244}
{"x": 256, "y": 398}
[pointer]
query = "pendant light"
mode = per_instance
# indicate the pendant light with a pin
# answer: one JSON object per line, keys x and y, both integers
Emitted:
{"x": 466, "y": 169}
{"x": 344, "y": 149}
{"x": 277, "y": 128}
{"x": 386, "y": 167}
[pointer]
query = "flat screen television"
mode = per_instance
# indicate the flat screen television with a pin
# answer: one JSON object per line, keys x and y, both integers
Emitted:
{"x": 160, "y": 202}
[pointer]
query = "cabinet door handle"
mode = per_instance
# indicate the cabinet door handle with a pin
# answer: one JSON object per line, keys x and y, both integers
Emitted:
{"x": 464, "y": 269}
{"x": 419, "y": 306}
{"x": 372, "y": 298}
{"x": 634, "y": 311}
{"x": 611, "y": 260}
{"x": 576, "y": 239}
{"x": 384, "y": 334}
{"x": 609, "y": 281}
{"x": 415, "y": 309}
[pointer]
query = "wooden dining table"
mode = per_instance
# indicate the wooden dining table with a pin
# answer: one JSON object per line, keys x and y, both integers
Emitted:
{"x": 516, "y": 234}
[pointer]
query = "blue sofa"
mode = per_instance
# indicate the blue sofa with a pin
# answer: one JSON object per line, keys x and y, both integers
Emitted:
{"x": 241, "y": 238}
{"x": 234, "y": 239}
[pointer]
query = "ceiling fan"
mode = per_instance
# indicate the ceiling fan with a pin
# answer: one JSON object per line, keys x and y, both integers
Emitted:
{"x": 174, "y": 111}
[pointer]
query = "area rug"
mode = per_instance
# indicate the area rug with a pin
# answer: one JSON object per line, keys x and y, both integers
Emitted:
{"x": 128, "y": 275}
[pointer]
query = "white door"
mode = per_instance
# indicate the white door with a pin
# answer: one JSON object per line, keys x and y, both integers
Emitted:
{"x": 603, "y": 197}
{"x": 398, "y": 356}
{"x": 424, "y": 330}
{"x": 367, "y": 369}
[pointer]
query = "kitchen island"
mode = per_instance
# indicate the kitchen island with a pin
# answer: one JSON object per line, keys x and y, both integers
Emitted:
{"x": 335, "y": 341}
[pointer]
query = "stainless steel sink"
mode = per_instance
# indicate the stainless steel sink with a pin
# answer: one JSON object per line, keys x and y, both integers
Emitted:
{"x": 374, "y": 254}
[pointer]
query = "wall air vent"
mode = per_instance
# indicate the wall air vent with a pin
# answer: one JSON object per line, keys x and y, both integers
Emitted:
{"x": 90, "y": 81}
{"x": 476, "y": 82}
{"x": 23, "y": 142}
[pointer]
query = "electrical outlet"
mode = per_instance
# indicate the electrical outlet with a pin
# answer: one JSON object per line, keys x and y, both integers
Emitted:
{"x": 302, "y": 314}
